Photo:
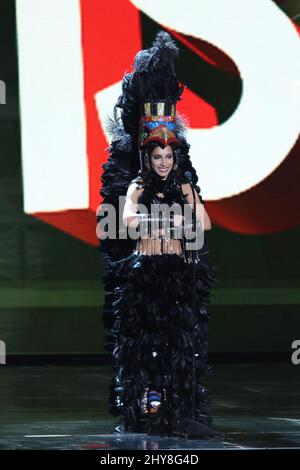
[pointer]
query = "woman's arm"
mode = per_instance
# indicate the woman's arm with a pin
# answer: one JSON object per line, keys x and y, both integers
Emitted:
{"x": 200, "y": 209}
{"x": 130, "y": 216}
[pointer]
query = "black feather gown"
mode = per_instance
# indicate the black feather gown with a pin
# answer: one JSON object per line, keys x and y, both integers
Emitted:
{"x": 156, "y": 319}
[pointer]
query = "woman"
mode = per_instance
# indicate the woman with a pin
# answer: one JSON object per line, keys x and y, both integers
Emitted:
{"x": 157, "y": 283}
{"x": 162, "y": 162}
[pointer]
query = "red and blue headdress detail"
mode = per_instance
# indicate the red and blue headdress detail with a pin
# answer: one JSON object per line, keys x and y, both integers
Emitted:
{"x": 158, "y": 124}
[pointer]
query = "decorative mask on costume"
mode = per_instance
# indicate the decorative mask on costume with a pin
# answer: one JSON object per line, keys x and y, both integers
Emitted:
{"x": 156, "y": 125}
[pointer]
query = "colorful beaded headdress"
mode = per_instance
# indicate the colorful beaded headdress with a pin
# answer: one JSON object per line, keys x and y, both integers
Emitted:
{"x": 158, "y": 124}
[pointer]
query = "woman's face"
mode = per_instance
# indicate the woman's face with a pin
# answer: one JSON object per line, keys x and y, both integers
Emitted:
{"x": 162, "y": 160}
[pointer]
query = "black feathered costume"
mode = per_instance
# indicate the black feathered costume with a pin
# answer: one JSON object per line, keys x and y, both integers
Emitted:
{"x": 155, "y": 311}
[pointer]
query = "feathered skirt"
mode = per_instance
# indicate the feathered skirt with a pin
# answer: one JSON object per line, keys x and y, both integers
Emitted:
{"x": 158, "y": 337}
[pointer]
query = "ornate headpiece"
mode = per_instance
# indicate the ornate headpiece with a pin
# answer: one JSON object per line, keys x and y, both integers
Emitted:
{"x": 150, "y": 94}
{"x": 158, "y": 124}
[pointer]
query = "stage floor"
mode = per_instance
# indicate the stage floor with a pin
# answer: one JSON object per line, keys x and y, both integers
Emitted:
{"x": 255, "y": 406}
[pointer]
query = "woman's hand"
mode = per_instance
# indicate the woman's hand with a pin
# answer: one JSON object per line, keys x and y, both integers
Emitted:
{"x": 178, "y": 220}
{"x": 130, "y": 216}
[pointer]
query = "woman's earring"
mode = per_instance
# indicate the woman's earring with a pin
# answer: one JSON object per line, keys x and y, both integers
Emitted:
{"x": 146, "y": 158}
{"x": 176, "y": 160}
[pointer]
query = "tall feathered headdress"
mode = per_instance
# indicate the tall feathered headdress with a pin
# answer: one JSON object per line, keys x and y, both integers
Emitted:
{"x": 149, "y": 97}
{"x": 151, "y": 92}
